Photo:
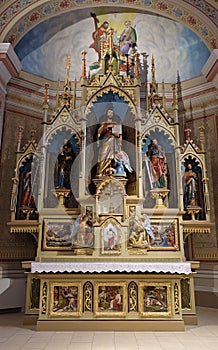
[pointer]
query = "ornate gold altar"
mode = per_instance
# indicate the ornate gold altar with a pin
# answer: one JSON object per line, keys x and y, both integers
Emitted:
{"x": 110, "y": 195}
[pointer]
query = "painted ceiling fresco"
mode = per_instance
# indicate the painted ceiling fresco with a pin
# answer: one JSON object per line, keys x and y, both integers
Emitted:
{"x": 176, "y": 48}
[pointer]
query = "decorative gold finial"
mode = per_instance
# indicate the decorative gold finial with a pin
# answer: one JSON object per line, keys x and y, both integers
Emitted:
{"x": 57, "y": 94}
{"x": 153, "y": 70}
{"x": 163, "y": 93}
{"x": 188, "y": 134}
{"x": 202, "y": 136}
{"x": 32, "y": 135}
{"x": 174, "y": 94}
{"x": 19, "y": 136}
{"x": 111, "y": 41}
{"x": 46, "y": 99}
{"x": 67, "y": 78}
{"x": 83, "y": 64}
{"x": 154, "y": 86}
{"x": 74, "y": 92}
{"x": 136, "y": 66}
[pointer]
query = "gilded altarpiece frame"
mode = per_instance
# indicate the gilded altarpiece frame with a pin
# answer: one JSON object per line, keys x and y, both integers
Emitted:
{"x": 57, "y": 234}
{"x": 110, "y": 238}
{"x": 65, "y": 299}
{"x": 110, "y": 299}
{"x": 155, "y": 299}
{"x": 166, "y": 233}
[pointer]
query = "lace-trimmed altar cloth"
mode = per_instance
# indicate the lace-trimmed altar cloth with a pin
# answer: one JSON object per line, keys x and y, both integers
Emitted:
{"x": 98, "y": 267}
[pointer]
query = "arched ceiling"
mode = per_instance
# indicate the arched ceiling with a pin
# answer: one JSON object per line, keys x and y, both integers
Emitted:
{"x": 19, "y": 17}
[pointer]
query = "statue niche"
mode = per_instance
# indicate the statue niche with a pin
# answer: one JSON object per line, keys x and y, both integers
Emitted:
{"x": 193, "y": 196}
{"x": 26, "y": 206}
{"x": 109, "y": 151}
{"x": 61, "y": 157}
{"x": 158, "y": 165}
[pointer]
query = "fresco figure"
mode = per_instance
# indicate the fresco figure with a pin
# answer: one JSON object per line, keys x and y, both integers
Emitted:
{"x": 99, "y": 35}
{"x": 190, "y": 192}
{"x": 157, "y": 165}
{"x": 128, "y": 38}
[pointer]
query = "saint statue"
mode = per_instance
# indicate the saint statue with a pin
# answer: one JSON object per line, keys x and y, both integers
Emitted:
{"x": 190, "y": 192}
{"x": 63, "y": 166}
{"x": 109, "y": 139}
{"x": 28, "y": 199}
{"x": 157, "y": 166}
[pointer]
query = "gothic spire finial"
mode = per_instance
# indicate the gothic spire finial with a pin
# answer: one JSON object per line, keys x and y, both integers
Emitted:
{"x": 67, "y": 77}
{"x": 83, "y": 64}
{"x": 46, "y": 99}
{"x": 154, "y": 87}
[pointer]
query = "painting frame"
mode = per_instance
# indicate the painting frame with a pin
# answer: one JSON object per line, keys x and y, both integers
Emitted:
{"x": 161, "y": 307}
{"x": 166, "y": 232}
{"x": 105, "y": 296}
{"x": 110, "y": 238}
{"x": 50, "y": 233}
{"x": 65, "y": 310}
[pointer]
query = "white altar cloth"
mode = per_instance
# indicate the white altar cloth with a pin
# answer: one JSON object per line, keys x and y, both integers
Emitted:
{"x": 101, "y": 267}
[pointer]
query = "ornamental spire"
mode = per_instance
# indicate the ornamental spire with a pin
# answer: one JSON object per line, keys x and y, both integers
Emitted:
{"x": 67, "y": 76}
{"x": 154, "y": 87}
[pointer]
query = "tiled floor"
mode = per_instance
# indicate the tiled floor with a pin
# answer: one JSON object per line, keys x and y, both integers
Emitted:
{"x": 204, "y": 336}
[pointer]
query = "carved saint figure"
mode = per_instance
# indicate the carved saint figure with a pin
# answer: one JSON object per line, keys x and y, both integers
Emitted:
{"x": 137, "y": 231}
{"x": 28, "y": 200}
{"x": 63, "y": 165}
{"x": 109, "y": 138}
{"x": 190, "y": 192}
{"x": 157, "y": 165}
{"x": 82, "y": 233}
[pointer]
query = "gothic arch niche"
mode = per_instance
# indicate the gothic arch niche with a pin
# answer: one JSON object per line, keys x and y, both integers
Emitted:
{"x": 193, "y": 191}
{"x": 124, "y": 112}
{"x": 165, "y": 143}
{"x": 62, "y": 169}
{"x": 110, "y": 237}
{"x": 26, "y": 200}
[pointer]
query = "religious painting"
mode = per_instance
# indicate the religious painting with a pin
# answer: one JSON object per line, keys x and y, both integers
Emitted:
{"x": 67, "y": 234}
{"x": 65, "y": 299}
{"x": 58, "y": 234}
{"x": 110, "y": 239}
{"x": 110, "y": 299}
{"x": 82, "y": 236}
{"x": 155, "y": 299}
{"x": 163, "y": 235}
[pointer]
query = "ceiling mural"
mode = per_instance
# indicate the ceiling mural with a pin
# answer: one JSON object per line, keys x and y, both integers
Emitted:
{"x": 44, "y": 49}
{"x": 19, "y": 17}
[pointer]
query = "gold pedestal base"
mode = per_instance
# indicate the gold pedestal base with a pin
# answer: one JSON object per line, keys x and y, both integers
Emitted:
{"x": 111, "y": 325}
{"x": 159, "y": 194}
